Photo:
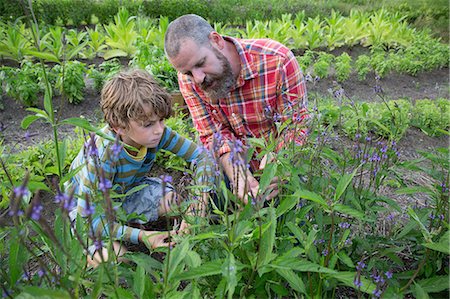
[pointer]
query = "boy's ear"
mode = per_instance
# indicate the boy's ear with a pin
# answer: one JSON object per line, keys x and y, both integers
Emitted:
{"x": 117, "y": 130}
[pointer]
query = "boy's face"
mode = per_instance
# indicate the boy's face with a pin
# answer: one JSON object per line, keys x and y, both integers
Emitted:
{"x": 146, "y": 134}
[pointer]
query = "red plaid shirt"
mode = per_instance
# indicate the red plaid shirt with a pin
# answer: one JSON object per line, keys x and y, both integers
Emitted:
{"x": 270, "y": 88}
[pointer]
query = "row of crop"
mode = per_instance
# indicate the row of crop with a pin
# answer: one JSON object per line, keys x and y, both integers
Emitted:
{"x": 387, "y": 118}
{"x": 420, "y": 57}
{"x": 26, "y": 84}
{"x": 81, "y": 12}
{"x": 380, "y": 30}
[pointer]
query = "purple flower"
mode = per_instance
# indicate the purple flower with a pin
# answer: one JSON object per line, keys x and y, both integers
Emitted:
{"x": 166, "y": 178}
{"x": 21, "y": 191}
{"x": 357, "y": 136}
{"x": 360, "y": 265}
{"x": 104, "y": 184}
{"x": 344, "y": 225}
{"x": 432, "y": 216}
{"x": 115, "y": 149}
{"x": 17, "y": 213}
{"x": 41, "y": 272}
{"x": 325, "y": 252}
{"x": 377, "y": 278}
{"x": 320, "y": 241}
{"x": 90, "y": 210}
{"x": 98, "y": 244}
{"x": 357, "y": 282}
{"x": 90, "y": 146}
{"x": 308, "y": 77}
{"x": 348, "y": 241}
{"x": 388, "y": 274}
{"x": 27, "y": 136}
{"x": 36, "y": 211}
{"x": 444, "y": 187}
{"x": 377, "y": 89}
{"x": 377, "y": 293}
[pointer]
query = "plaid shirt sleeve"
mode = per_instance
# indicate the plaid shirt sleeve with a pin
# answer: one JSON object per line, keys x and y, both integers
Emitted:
{"x": 293, "y": 101}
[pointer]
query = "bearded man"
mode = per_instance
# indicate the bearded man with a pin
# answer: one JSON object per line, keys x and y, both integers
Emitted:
{"x": 237, "y": 89}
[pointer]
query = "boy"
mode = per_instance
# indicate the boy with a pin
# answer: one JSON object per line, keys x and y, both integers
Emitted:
{"x": 134, "y": 107}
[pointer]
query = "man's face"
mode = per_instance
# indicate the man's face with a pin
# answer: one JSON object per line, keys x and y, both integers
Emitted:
{"x": 207, "y": 67}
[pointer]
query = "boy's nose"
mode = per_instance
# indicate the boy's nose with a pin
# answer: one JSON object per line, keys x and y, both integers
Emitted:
{"x": 159, "y": 127}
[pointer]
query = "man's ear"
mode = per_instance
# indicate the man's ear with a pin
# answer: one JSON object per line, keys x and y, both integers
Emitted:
{"x": 216, "y": 40}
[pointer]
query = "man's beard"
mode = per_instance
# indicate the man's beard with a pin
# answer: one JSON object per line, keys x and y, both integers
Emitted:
{"x": 223, "y": 82}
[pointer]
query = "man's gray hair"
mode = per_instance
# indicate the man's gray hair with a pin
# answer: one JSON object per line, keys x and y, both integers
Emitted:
{"x": 189, "y": 26}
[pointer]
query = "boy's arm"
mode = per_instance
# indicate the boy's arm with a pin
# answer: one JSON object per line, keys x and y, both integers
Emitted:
{"x": 192, "y": 153}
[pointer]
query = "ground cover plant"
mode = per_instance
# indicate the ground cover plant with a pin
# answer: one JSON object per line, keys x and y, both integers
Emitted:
{"x": 337, "y": 228}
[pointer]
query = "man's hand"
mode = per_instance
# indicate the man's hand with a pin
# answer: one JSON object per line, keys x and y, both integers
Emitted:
{"x": 154, "y": 239}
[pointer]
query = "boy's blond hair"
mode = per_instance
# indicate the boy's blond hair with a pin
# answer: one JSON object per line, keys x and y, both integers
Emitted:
{"x": 125, "y": 95}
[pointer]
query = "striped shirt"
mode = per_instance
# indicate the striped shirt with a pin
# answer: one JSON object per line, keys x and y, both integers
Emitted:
{"x": 126, "y": 172}
{"x": 270, "y": 88}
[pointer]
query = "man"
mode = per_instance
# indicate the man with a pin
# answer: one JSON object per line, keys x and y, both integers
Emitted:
{"x": 237, "y": 88}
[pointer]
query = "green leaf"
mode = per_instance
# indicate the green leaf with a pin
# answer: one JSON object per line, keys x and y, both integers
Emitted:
{"x": 33, "y": 292}
{"x": 286, "y": 204}
{"x": 267, "y": 241}
{"x": 435, "y": 284}
{"x": 48, "y": 104}
{"x": 177, "y": 255}
{"x": 349, "y": 211}
{"x": 206, "y": 269}
{"x": 293, "y": 279}
{"x": 312, "y": 197}
{"x": 145, "y": 261}
{"x": 43, "y": 55}
{"x": 419, "y": 292}
{"x": 28, "y": 120}
{"x": 442, "y": 245}
{"x": 114, "y": 53}
{"x": 343, "y": 257}
{"x": 229, "y": 273}
{"x": 139, "y": 278}
{"x": 343, "y": 184}
{"x": 347, "y": 279}
{"x": 423, "y": 229}
{"x": 267, "y": 176}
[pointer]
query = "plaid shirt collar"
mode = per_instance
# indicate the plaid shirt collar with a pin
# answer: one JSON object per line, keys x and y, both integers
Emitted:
{"x": 248, "y": 69}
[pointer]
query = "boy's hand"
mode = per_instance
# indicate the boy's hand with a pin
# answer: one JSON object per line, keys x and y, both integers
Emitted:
{"x": 184, "y": 228}
{"x": 154, "y": 239}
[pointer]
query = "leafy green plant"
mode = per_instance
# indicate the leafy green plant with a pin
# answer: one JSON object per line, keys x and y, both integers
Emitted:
{"x": 16, "y": 41}
{"x": 362, "y": 66}
{"x": 22, "y": 84}
{"x": 431, "y": 116}
{"x": 314, "y": 33}
{"x": 70, "y": 81}
{"x": 121, "y": 35}
{"x": 390, "y": 118}
{"x": 343, "y": 66}
{"x": 104, "y": 71}
{"x": 96, "y": 44}
{"x": 322, "y": 64}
